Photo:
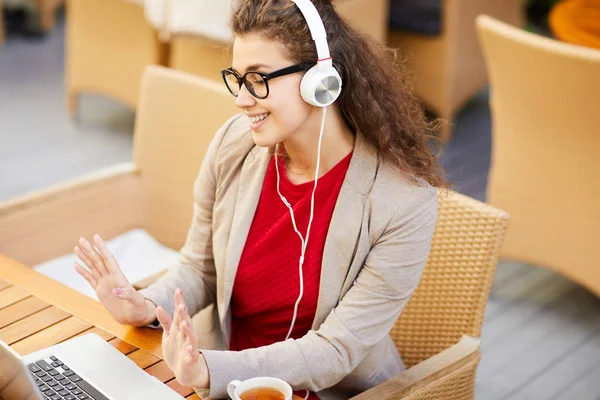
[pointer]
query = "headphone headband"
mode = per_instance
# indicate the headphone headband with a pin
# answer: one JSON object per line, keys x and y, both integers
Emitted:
{"x": 317, "y": 30}
{"x": 321, "y": 85}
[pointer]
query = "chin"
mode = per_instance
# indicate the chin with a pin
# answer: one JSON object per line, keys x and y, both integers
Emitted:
{"x": 264, "y": 139}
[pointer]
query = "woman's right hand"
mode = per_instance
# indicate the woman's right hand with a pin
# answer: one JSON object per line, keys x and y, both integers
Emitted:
{"x": 114, "y": 291}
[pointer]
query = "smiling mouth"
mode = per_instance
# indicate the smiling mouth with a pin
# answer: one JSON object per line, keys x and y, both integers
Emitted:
{"x": 259, "y": 118}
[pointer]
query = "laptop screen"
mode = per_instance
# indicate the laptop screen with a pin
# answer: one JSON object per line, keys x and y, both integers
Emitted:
{"x": 16, "y": 382}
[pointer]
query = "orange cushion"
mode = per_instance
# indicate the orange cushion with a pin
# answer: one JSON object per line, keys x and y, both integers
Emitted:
{"x": 577, "y": 22}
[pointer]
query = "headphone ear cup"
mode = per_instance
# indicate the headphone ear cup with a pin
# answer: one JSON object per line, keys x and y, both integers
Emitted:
{"x": 321, "y": 88}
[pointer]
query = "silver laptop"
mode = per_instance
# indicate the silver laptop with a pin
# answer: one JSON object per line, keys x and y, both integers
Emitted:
{"x": 82, "y": 368}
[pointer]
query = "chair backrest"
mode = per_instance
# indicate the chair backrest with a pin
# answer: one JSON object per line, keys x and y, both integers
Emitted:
{"x": 368, "y": 16}
{"x": 177, "y": 117}
{"x": 451, "y": 298}
{"x": 545, "y": 142}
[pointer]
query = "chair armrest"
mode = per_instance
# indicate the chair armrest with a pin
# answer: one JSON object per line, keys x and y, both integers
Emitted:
{"x": 447, "y": 375}
{"x": 144, "y": 283}
{"x": 47, "y": 224}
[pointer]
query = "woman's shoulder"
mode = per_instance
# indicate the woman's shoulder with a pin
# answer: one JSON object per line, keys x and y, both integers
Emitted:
{"x": 402, "y": 195}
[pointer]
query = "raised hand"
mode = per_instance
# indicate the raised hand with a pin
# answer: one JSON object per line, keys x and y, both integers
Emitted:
{"x": 179, "y": 345}
{"x": 113, "y": 289}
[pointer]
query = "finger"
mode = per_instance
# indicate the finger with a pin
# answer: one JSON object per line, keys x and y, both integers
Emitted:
{"x": 86, "y": 275}
{"x": 126, "y": 293}
{"x": 190, "y": 335}
{"x": 83, "y": 257}
{"x": 177, "y": 318}
{"x": 191, "y": 353}
{"x": 185, "y": 317}
{"x": 164, "y": 319}
{"x": 178, "y": 297}
{"x": 93, "y": 255}
{"x": 179, "y": 301}
{"x": 88, "y": 263}
{"x": 109, "y": 259}
{"x": 191, "y": 348}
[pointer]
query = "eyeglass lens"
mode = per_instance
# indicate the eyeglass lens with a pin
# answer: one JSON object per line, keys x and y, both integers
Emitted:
{"x": 254, "y": 82}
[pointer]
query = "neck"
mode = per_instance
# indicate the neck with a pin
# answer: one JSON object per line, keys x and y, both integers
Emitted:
{"x": 302, "y": 147}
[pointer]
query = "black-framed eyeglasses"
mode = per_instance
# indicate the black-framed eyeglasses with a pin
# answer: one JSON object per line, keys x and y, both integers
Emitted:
{"x": 257, "y": 83}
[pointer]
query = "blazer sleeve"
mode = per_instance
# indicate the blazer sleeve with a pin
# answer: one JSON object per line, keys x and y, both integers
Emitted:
{"x": 195, "y": 272}
{"x": 363, "y": 317}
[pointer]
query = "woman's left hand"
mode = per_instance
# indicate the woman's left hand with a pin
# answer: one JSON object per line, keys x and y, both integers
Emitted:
{"x": 179, "y": 345}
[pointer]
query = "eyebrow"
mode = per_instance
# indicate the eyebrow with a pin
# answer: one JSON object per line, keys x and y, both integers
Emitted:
{"x": 254, "y": 67}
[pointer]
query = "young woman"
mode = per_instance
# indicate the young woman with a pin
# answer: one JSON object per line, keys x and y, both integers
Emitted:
{"x": 308, "y": 275}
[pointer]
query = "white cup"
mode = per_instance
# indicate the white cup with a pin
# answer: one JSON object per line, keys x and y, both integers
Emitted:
{"x": 236, "y": 388}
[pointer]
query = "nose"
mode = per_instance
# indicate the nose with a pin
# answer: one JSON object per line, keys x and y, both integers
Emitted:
{"x": 245, "y": 99}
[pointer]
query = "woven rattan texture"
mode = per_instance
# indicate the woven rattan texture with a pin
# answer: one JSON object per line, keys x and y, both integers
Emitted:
{"x": 451, "y": 297}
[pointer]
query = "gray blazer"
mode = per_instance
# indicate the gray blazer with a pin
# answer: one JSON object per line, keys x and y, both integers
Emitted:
{"x": 374, "y": 255}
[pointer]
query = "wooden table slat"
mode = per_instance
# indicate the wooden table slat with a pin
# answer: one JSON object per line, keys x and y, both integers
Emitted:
{"x": 161, "y": 371}
{"x": 173, "y": 384}
{"x": 122, "y": 346}
{"x": 142, "y": 358}
{"x": 32, "y": 324}
{"x": 104, "y": 335}
{"x": 4, "y": 284}
{"x": 20, "y": 310}
{"x": 193, "y": 396}
{"x": 51, "y": 335}
{"x": 11, "y": 295}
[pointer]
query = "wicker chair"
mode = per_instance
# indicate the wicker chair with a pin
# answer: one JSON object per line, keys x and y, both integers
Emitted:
{"x": 545, "y": 141}
{"x": 437, "y": 333}
{"x": 47, "y": 13}
{"x": 108, "y": 45}
{"x": 449, "y": 69}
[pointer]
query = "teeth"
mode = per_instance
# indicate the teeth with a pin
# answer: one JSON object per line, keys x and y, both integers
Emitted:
{"x": 259, "y": 118}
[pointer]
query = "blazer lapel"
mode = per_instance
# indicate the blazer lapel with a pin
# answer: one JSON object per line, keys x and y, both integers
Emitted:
{"x": 345, "y": 227}
{"x": 250, "y": 187}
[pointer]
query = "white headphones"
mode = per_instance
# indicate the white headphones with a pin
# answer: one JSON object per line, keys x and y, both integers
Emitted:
{"x": 320, "y": 87}
{"x": 322, "y": 84}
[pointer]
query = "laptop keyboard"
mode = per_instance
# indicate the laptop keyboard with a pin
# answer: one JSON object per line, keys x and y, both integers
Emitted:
{"x": 57, "y": 381}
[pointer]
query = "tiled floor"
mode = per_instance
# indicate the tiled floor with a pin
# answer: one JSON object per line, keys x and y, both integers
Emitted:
{"x": 541, "y": 337}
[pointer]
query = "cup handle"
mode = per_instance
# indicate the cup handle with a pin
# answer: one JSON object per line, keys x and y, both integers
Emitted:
{"x": 231, "y": 388}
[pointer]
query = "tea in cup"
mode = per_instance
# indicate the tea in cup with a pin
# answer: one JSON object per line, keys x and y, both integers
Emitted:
{"x": 263, "y": 388}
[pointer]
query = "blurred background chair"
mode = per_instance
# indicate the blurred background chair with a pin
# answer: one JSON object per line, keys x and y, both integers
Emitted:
{"x": 109, "y": 58}
{"x": 448, "y": 68}
{"x": 368, "y": 16}
{"x": 108, "y": 45}
{"x": 45, "y": 16}
{"x": 47, "y": 10}
{"x": 1, "y": 24}
{"x": 177, "y": 117}
{"x": 199, "y": 55}
{"x": 545, "y": 143}
{"x": 206, "y": 57}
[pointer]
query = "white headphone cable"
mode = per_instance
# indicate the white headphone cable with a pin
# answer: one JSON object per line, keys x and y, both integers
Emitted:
{"x": 303, "y": 240}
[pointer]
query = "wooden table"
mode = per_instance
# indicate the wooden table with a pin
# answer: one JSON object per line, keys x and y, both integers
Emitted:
{"x": 37, "y": 312}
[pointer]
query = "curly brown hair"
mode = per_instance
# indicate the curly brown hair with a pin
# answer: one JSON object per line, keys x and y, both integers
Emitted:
{"x": 377, "y": 98}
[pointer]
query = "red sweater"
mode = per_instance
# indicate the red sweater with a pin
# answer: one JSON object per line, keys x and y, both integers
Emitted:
{"x": 267, "y": 281}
